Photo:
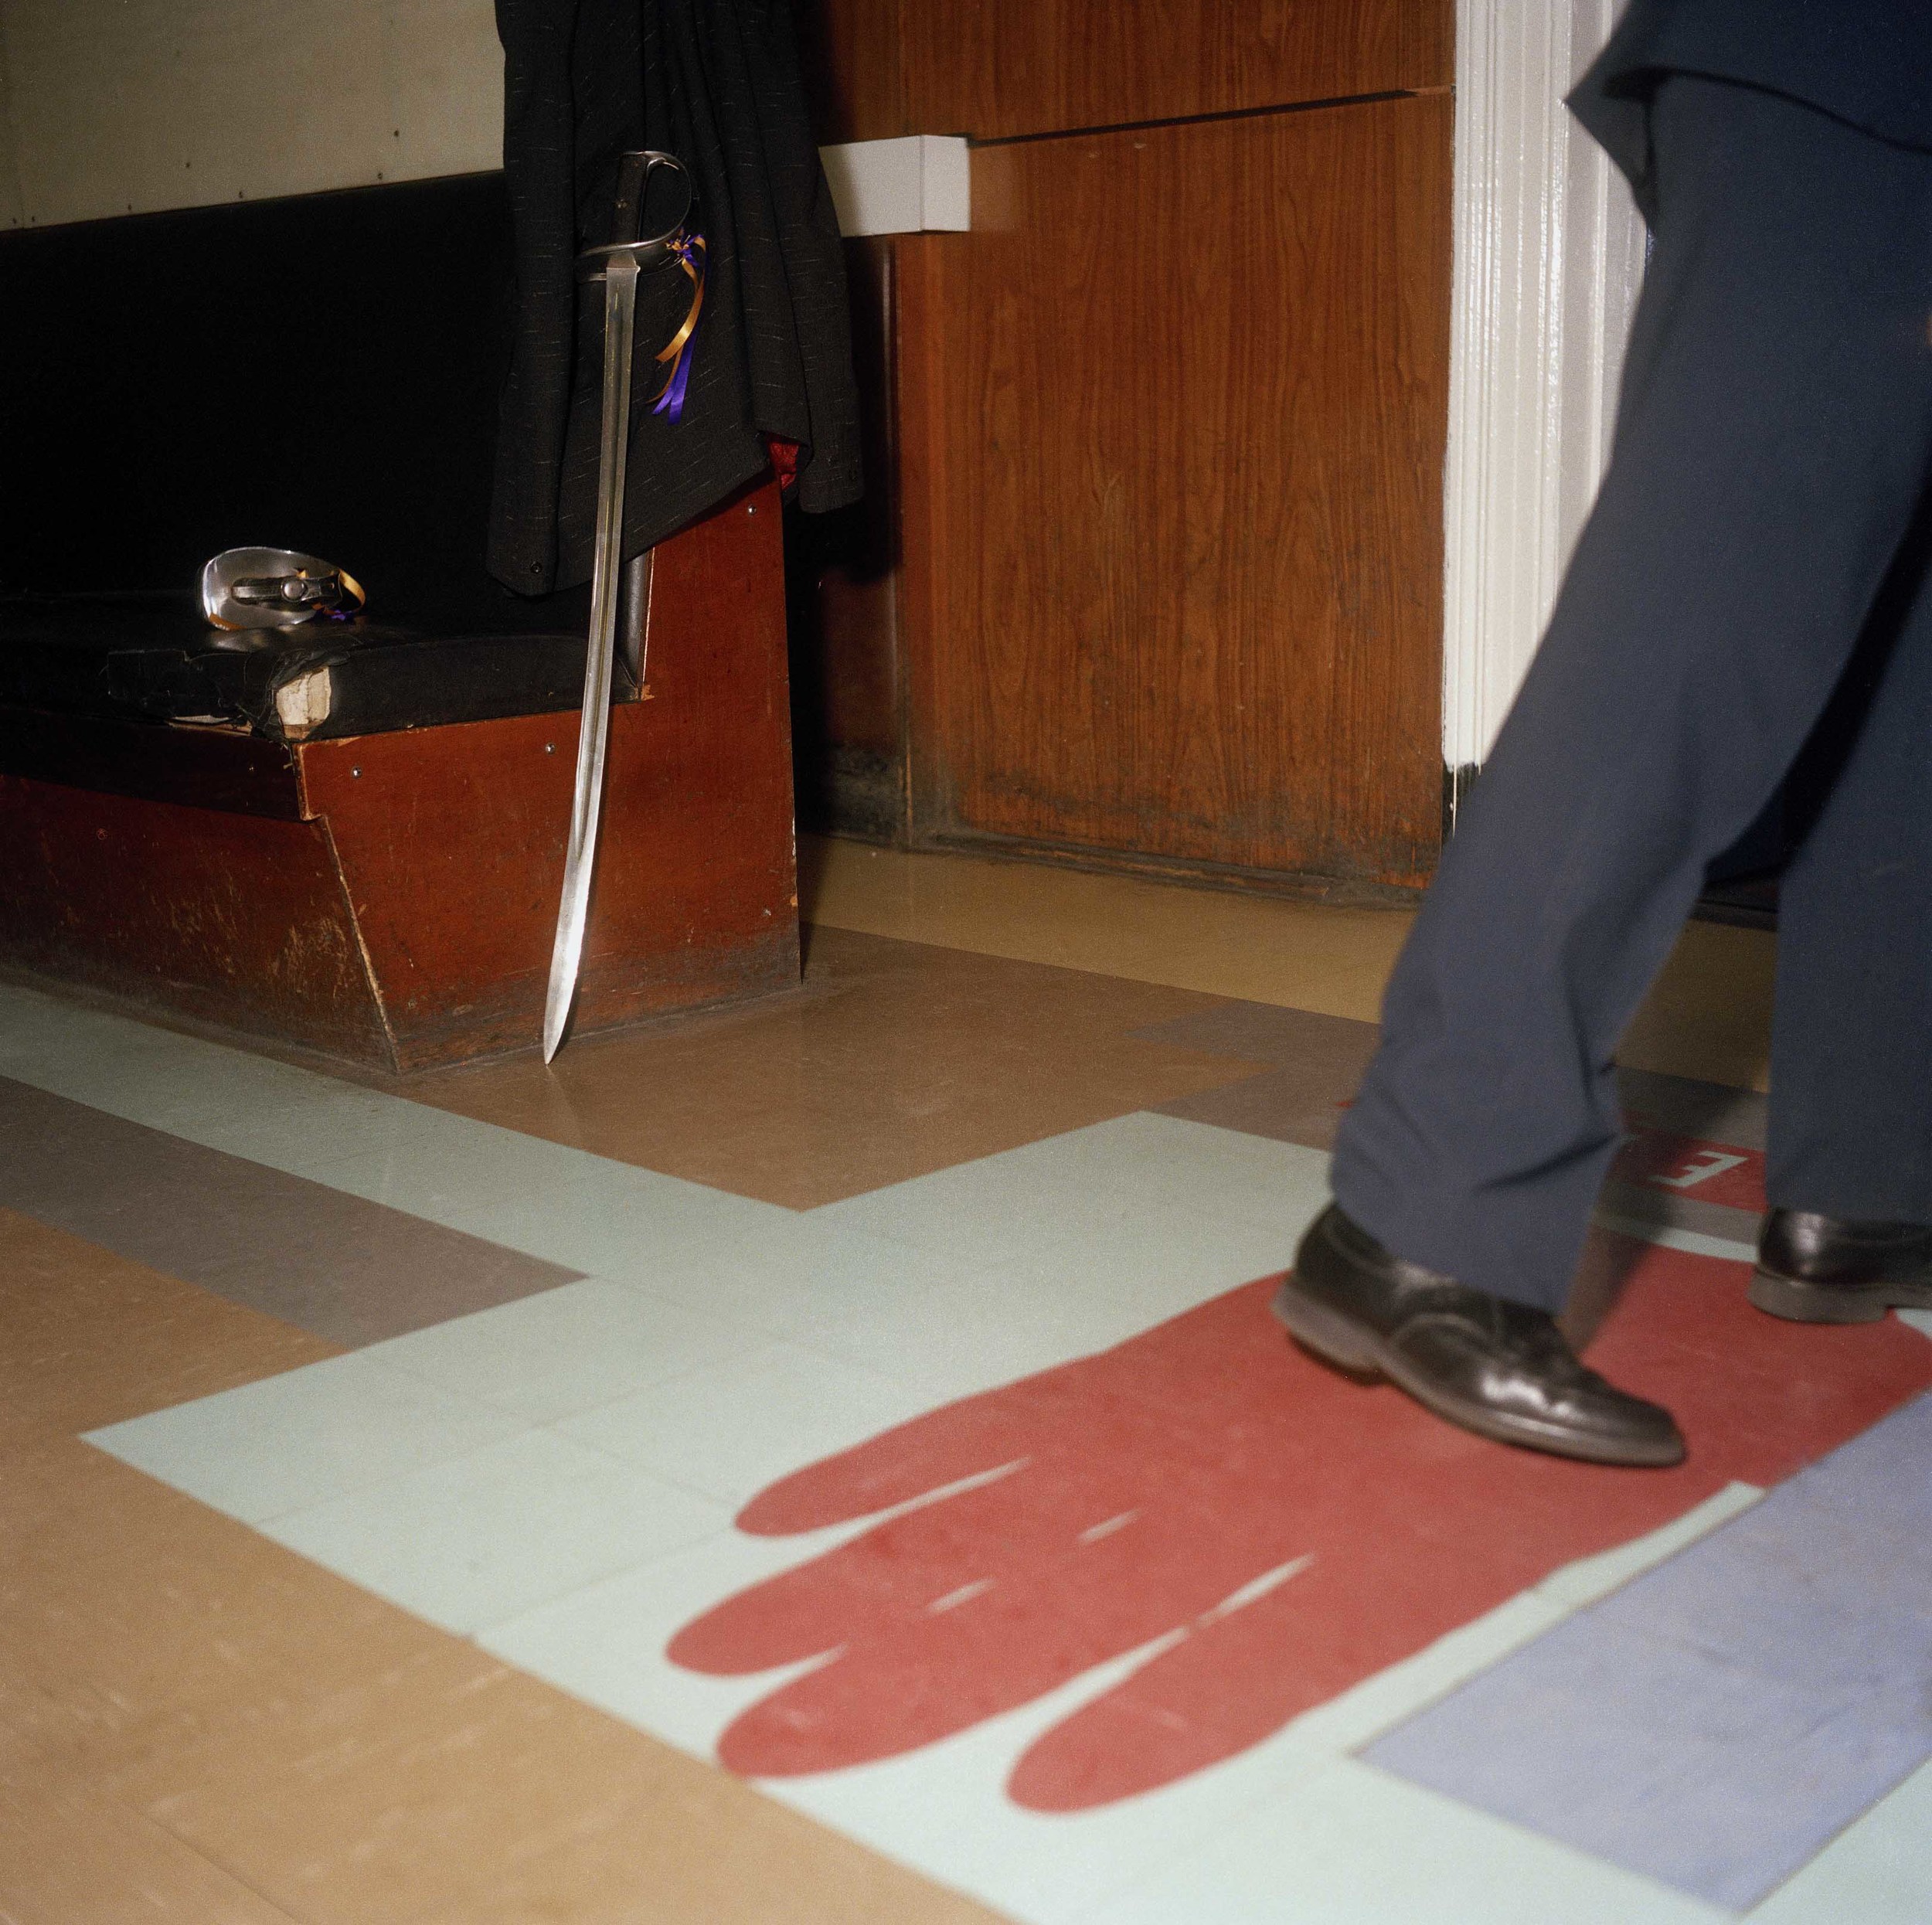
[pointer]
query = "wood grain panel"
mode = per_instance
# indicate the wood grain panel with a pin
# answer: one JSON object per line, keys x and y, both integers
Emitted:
{"x": 451, "y": 840}
{"x": 1184, "y": 503}
{"x": 998, "y": 69}
{"x": 209, "y": 766}
{"x": 855, "y": 77}
{"x": 236, "y": 920}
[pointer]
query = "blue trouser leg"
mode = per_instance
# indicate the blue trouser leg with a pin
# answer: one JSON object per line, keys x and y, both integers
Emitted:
{"x": 1852, "y": 1047}
{"x": 1772, "y": 453}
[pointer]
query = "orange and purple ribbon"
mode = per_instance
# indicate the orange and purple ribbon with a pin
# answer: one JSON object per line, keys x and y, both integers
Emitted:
{"x": 669, "y": 399}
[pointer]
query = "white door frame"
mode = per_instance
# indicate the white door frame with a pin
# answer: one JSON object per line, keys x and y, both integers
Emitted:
{"x": 1549, "y": 254}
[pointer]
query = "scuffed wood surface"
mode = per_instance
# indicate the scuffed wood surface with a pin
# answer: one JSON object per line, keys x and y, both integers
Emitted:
{"x": 232, "y": 919}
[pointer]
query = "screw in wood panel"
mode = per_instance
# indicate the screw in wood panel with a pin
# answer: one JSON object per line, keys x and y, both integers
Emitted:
{"x": 550, "y": 748}
{"x": 355, "y": 771}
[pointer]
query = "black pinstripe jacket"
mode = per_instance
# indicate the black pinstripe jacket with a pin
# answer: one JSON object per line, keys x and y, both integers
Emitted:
{"x": 717, "y": 83}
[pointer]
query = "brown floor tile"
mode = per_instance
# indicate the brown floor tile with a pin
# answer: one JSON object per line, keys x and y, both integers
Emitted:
{"x": 490, "y": 1796}
{"x": 198, "y": 1725}
{"x": 350, "y": 1271}
{"x": 71, "y": 1856}
{"x": 1318, "y": 1061}
{"x": 897, "y": 1060}
{"x": 88, "y": 1338}
{"x": 1709, "y": 1015}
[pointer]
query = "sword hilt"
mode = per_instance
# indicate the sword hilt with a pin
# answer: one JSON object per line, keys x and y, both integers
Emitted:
{"x": 634, "y": 171}
{"x": 654, "y": 250}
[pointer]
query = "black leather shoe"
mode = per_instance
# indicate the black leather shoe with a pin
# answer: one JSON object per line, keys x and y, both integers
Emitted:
{"x": 1500, "y": 1368}
{"x": 1829, "y": 1269}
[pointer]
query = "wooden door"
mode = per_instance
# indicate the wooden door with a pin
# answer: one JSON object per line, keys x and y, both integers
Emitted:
{"x": 1187, "y": 402}
{"x": 1170, "y": 425}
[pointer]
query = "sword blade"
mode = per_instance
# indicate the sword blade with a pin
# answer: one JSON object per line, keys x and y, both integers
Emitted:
{"x": 594, "y": 733}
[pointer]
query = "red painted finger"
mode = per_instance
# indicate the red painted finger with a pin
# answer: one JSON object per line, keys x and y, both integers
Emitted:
{"x": 1074, "y": 1541}
{"x": 1226, "y": 1684}
{"x": 1014, "y": 1626}
{"x": 1166, "y": 1483}
{"x": 910, "y": 1460}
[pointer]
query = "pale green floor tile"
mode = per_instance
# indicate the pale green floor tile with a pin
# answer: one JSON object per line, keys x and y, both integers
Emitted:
{"x": 799, "y": 1274}
{"x": 729, "y": 1429}
{"x": 1153, "y": 1159}
{"x": 304, "y": 1132}
{"x": 614, "y": 1220}
{"x": 308, "y": 1434}
{"x": 565, "y": 1350}
{"x": 980, "y": 1213}
{"x": 1090, "y": 1184}
{"x": 454, "y": 1170}
{"x": 1353, "y": 1846}
{"x": 1878, "y": 1871}
{"x": 958, "y": 1335}
{"x": 485, "y": 1536}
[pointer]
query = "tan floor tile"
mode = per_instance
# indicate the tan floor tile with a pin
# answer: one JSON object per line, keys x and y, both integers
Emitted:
{"x": 1708, "y": 1017}
{"x": 454, "y": 1791}
{"x": 198, "y": 1725}
{"x": 71, "y": 1856}
{"x": 1265, "y": 949}
{"x": 87, "y": 1337}
{"x": 897, "y": 1060}
{"x": 133, "y": 1621}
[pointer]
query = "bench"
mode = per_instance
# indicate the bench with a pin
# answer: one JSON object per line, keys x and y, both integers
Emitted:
{"x": 349, "y": 837}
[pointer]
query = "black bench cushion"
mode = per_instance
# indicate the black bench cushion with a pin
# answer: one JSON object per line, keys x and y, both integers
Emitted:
{"x": 322, "y": 373}
{"x": 153, "y": 657}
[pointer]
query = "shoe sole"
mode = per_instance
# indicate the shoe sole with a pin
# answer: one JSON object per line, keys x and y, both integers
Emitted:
{"x": 1340, "y": 1341}
{"x": 1801, "y": 1303}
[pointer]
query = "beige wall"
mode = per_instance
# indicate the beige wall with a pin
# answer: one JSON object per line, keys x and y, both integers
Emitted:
{"x": 113, "y": 106}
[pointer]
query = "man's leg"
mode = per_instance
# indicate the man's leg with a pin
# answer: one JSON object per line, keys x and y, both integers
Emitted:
{"x": 1772, "y": 447}
{"x": 1851, "y": 1049}
{"x": 1849, "y": 1233}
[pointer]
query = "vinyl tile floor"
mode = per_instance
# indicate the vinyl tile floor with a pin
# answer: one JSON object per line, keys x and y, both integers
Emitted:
{"x": 832, "y": 1461}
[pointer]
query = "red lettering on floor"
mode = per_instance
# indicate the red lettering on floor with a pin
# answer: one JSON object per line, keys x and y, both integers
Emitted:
{"x": 1724, "y": 1173}
{"x": 1288, "y": 1531}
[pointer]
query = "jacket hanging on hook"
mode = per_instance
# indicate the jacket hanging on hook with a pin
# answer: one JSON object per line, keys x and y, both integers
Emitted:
{"x": 717, "y": 83}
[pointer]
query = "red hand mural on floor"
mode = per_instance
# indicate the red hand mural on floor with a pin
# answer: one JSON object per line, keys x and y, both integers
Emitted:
{"x": 1158, "y": 1487}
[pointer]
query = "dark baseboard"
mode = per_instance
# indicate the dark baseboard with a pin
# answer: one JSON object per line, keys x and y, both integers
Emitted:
{"x": 857, "y": 792}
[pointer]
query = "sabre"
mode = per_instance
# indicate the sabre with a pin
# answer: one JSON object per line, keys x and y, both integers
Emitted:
{"x": 617, "y": 267}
